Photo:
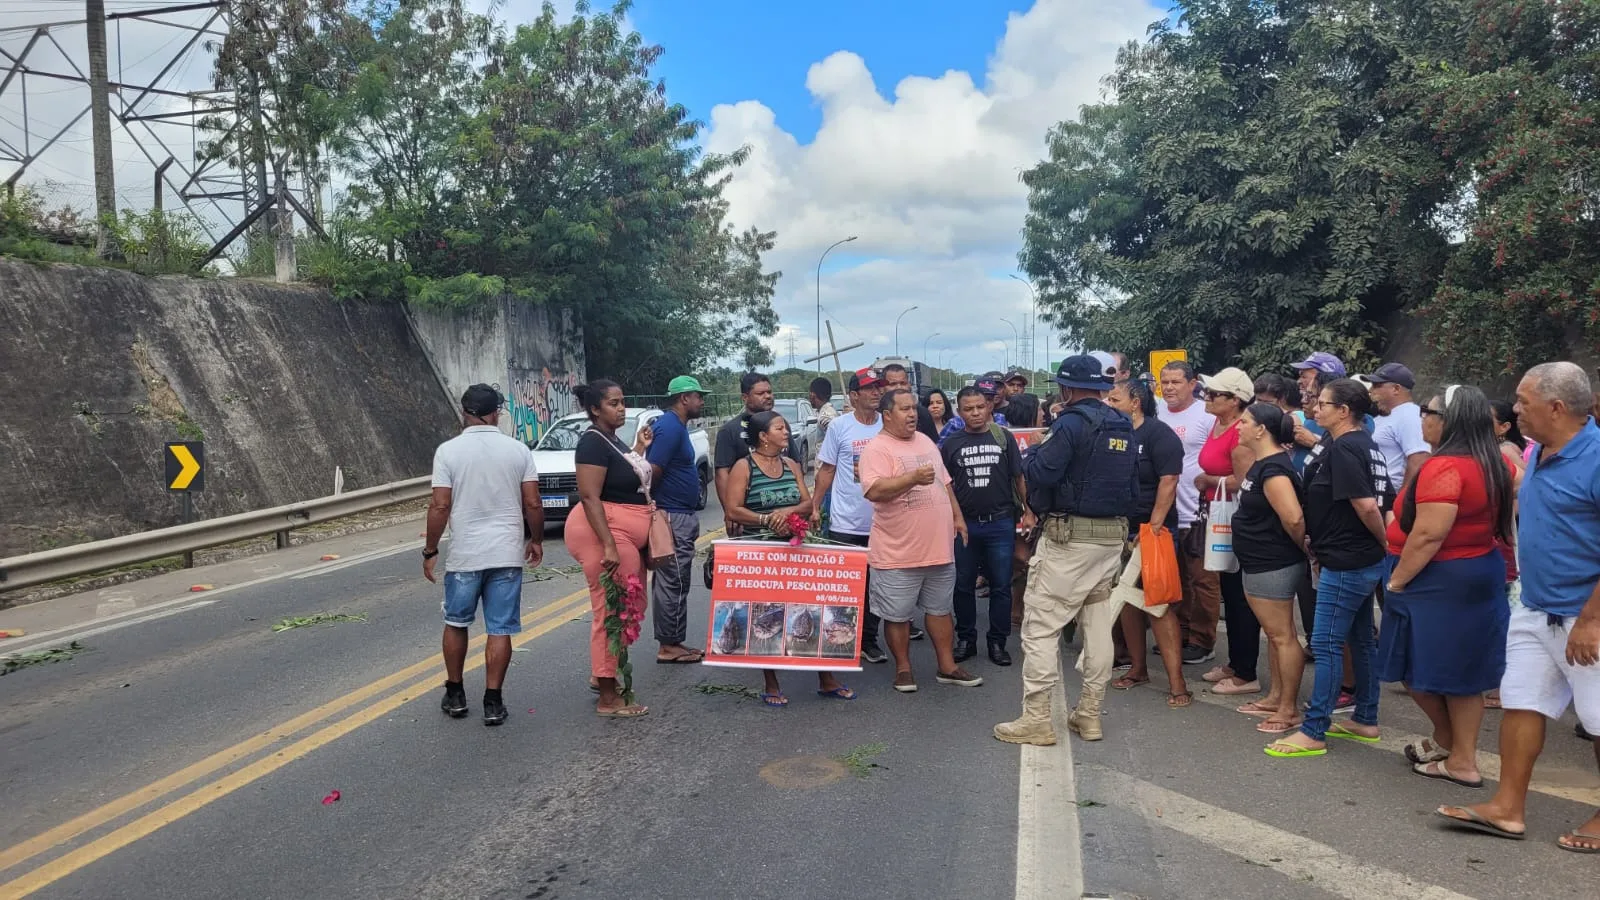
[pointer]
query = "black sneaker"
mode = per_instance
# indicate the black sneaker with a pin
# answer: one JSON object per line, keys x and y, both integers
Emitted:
{"x": 1193, "y": 655}
{"x": 917, "y": 634}
{"x": 454, "y": 703}
{"x": 872, "y": 653}
{"x": 494, "y": 711}
{"x": 965, "y": 649}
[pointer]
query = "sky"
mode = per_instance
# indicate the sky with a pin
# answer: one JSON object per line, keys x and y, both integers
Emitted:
{"x": 904, "y": 123}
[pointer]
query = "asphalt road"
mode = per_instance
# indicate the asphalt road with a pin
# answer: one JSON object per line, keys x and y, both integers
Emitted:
{"x": 187, "y": 750}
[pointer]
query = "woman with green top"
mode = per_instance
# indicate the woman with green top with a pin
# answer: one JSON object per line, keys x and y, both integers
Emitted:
{"x": 764, "y": 490}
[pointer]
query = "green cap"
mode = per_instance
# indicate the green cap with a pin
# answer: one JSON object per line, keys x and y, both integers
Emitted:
{"x": 684, "y": 384}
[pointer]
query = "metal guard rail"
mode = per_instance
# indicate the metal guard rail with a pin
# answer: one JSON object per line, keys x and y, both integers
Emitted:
{"x": 97, "y": 556}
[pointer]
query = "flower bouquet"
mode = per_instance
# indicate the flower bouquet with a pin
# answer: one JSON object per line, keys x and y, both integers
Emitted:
{"x": 625, "y": 603}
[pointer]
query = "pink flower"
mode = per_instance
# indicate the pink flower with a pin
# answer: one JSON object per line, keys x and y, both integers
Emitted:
{"x": 630, "y": 633}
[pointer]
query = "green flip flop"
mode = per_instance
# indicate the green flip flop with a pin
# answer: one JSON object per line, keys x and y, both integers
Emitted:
{"x": 1286, "y": 750}
{"x": 1345, "y": 734}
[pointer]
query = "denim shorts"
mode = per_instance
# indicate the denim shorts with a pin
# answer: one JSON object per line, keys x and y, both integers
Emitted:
{"x": 501, "y": 593}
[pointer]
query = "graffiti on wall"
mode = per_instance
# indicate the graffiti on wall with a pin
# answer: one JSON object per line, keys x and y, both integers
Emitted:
{"x": 538, "y": 398}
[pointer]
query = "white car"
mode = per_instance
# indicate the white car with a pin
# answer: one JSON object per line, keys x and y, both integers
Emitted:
{"x": 558, "y": 473}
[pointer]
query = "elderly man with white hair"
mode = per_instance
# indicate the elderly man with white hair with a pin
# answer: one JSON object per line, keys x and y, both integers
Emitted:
{"x": 1553, "y": 642}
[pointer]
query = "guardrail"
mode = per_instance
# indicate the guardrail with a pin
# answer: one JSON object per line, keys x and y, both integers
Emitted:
{"x": 84, "y": 559}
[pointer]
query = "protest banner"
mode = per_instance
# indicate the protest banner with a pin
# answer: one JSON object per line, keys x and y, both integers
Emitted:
{"x": 1027, "y": 437}
{"x": 777, "y": 606}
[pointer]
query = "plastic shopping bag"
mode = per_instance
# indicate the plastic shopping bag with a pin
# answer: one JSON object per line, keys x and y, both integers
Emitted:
{"x": 1219, "y": 532}
{"x": 1159, "y": 567}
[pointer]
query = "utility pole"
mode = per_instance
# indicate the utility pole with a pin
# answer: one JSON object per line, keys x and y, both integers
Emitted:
{"x": 105, "y": 189}
{"x": 792, "y": 342}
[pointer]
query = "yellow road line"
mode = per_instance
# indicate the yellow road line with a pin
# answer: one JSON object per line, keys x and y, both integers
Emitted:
{"x": 560, "y": 611}
{"x": 65, "y": 865}
{"x": 224, "y": 758}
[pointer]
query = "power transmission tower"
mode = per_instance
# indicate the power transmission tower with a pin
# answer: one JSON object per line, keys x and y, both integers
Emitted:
{"x": 791, "y": 350}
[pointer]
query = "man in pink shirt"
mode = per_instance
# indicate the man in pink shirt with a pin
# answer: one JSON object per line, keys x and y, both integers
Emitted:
{"x": 915, "y": 524}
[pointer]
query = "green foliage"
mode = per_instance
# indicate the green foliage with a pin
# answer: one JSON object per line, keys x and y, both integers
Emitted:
{"x": 151, "y": 243}
{"x": 1269, "y": 179}
{"x": 158, "y": 242}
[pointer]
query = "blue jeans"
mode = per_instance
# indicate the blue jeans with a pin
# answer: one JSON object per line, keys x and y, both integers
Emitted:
{"x": 1344, "y": 613}
{"x": 988, "y": 548}
{"x": 500, "y": 591}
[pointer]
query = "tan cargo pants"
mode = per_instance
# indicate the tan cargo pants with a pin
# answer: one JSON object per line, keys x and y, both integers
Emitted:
{"x": 1071, "y": 576}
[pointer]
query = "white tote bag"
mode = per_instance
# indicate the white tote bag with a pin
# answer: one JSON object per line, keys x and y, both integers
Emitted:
{"x": 1219, "y": 531}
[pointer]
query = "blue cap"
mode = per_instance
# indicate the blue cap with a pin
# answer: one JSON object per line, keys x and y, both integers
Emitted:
{"x": 1085, "y": 373}
{"x": 1323, "y": 362}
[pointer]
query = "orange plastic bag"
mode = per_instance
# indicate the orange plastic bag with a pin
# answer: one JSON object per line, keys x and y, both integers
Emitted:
{"x": 1158, "y": 569}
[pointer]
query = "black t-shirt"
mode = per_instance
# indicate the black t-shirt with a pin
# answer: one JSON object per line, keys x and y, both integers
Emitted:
{"x": 1160, "y": 453}
{"x": 925, "y": 424}
{"x": 1337, "y": 472}
{"x": 983, "y": 472}
{"x": 622, "y": 482}
{"x": 1259, "y": 539}
{"x": 731, "y": 446}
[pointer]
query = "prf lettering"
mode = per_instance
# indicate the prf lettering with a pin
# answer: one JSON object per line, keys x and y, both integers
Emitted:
{"x": 1119, "y": 445}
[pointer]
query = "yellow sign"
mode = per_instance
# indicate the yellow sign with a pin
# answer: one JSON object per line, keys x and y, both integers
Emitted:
{"x": 1160, "y": 358}
{"x": 185, "y": 465}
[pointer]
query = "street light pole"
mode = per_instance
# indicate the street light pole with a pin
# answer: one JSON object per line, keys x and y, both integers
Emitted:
{"x": 925, "y": 344}
{"x": 1034, "y": 344}
{"x": 897, "y": 328}
{"x": 819, "y": 295}
{"x": 1014, "y": 335}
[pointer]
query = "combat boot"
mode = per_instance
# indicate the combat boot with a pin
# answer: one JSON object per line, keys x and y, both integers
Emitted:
{"x": 1033, "y": 728}
{"x": 1085, "y": 719}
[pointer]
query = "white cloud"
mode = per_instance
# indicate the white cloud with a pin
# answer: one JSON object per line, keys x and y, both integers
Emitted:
{"x": 928, "y": 177}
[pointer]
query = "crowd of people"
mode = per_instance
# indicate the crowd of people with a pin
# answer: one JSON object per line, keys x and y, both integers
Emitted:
{"x": 1448, "y": 545}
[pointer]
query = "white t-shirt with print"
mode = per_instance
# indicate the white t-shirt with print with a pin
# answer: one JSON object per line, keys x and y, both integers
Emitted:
{"x": 484, "y": 470}
{"x": 1193, "y": 426}
{"x": 849, "y": 511}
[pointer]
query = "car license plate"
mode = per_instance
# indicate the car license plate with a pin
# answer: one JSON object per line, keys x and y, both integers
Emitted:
{"x": 555, "y": 502}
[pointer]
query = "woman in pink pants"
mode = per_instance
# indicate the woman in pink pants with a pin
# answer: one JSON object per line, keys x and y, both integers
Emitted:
{"x": 612, "y": 533}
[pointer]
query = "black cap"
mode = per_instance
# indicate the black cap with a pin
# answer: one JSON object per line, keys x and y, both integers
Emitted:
{"x": 481, "y": 400}
{"x": 1393, "y": 373}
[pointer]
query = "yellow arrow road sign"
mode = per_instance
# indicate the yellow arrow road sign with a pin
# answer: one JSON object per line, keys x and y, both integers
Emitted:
{"x": 186, "y": 466}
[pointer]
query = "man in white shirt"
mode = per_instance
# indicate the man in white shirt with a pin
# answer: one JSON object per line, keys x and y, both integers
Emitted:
{"x": 486, "y": 488}
{"x": 1202, "y": 591}
{"x": 839, "y": 481}
{"x": 1398, "y": 430}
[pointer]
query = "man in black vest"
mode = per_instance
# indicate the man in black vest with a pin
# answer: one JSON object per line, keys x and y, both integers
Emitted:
{"x": 1084, "y": 482}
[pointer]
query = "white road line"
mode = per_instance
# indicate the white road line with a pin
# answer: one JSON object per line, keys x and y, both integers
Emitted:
{"x": 1565, "y": 783}
{"x": 1049, "y": 843}
{"x": 1289, "y": 854}
{"x": 336, "y": 565}
{"x": 103, "y": 624}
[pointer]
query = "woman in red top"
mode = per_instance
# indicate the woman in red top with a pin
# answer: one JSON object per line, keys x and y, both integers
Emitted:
{"x": 1444, "y": 625}
{"x": 1224, "y": 462}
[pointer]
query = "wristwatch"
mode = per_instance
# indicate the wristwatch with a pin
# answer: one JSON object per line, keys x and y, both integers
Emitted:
{"x": 429, "y": 554}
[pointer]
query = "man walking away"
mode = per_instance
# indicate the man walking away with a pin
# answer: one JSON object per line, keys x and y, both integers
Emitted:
{"x": 1398, "y": 432}
{"x": 756, "y": 390}
{"x": 985, "y": 466}
{"x": 1085, "y": 480}
{"x": 486, "y": 488}
{"x": 677, "y": 492}
{"x": 821, "y": 394}
{"x": 915, "y": 524}
{"x": 839, "y": 482}
{"x": 1202, "y": 590}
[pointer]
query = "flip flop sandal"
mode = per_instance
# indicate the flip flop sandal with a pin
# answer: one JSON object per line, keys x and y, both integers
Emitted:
{"x": 1257, "y": 708}
{"x": 1424, "y": 750}
{"x": 1269, "y": 726}
{"x": 777, "y": 701}
{"x": 1345, "y": 734}
{"x": 1125, "y": 683}
{"x": 1437, "y": 770}
{"x": 623, "y": 712}
{"x": 1477, "y": 822}
{"x": 1180, "y": 701}
{"x": 842, "y": 692}
{"x": 692, "y": 656}
{"x": 1580, "y": 835}
{"x": 1286, "y": 750}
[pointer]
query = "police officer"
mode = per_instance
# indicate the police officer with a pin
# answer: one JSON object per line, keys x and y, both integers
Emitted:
{"x": 1083, "y": 483}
